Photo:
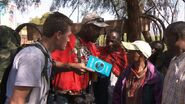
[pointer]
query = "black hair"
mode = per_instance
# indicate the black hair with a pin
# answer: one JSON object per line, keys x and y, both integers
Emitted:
{"x": 157, "y": 45}
{"x": 176, "y": 29}
{"x": 56, "y": 22}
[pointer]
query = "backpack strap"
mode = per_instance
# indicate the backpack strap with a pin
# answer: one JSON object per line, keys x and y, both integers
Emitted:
{"x": 44, "y": 71}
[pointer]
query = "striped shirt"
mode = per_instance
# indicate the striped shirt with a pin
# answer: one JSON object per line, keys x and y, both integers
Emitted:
{"x": 174, "y": 83}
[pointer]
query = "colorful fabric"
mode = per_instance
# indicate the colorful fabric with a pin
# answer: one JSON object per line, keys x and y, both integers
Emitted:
{"x": 134, "y": 88}
{"x": 174, "y": 83}
{"x": 118, "y": 59}
{"x": 71, "y": 81}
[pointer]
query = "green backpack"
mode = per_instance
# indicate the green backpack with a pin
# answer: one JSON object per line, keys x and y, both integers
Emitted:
{"x": 9, "y": 42}
{"x": 9, "y": 47}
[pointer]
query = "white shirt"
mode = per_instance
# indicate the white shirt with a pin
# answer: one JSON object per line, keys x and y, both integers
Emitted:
{"x": 26, "y": 71}
{"x": 174, "y": 83}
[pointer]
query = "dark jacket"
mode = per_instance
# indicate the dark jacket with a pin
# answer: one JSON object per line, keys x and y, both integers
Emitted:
{"x": 152, "y": 89}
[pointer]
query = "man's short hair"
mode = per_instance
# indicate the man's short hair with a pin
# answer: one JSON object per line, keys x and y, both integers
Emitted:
{"x": 176, "y": 29}
{"x": 56, "y": 22}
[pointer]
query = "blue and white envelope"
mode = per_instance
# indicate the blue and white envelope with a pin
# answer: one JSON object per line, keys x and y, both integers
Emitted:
{"x": 99, "y": 65}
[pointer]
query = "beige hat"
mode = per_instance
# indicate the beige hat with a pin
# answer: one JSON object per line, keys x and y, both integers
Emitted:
{"x": 140, "y": 45}
{"x": 94, "y": 18}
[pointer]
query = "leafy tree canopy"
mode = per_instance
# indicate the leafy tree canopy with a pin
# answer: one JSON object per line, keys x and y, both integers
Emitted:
{"x": 159, "y": 8}
{"x": 40, "y": 21}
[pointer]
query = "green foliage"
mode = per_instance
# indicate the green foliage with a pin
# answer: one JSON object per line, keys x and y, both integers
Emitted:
{"x": 43, "y": 18}
{"x": 2, "y": 8}
{"x": 40, "y": 21}
{"x": 119, "y": 9}
{"x": 5, "y": 2}
{"x": 116, "y": 7}
{"x": 35, "y": 20}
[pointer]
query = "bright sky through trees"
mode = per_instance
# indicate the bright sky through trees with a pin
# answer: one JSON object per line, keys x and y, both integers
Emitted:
{"x": 45, "y": 6}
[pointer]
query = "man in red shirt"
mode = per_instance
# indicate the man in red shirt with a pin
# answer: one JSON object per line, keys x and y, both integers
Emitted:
{"x": 73, "y": 87}
{"x": 114, "y": 54}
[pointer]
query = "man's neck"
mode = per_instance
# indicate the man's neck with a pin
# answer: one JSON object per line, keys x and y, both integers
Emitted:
{"x": 46, "y": 43}
{"x": 110, "y": 50}
{"x": 82, "y": 36}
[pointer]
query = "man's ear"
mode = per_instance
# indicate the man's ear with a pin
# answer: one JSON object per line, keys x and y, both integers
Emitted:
{"x": 58, "y": 35}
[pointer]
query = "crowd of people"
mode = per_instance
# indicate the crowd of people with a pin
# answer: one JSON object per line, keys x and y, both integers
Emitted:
{"x": 142, "y": 73}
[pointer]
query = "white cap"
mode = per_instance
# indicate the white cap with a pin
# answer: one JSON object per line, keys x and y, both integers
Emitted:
{"x": 139, "y": 45}
{"x": 94, "y": 18}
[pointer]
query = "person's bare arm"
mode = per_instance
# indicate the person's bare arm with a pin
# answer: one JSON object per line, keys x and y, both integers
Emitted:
{"x": 19, "y": 95}
{"x": 78, "y": 67}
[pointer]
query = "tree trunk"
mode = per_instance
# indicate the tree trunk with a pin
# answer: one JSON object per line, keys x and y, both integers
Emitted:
{"x": 134, "y": 23}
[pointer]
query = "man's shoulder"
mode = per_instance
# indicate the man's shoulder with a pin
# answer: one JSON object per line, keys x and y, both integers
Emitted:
{"x": 30, "y": 51}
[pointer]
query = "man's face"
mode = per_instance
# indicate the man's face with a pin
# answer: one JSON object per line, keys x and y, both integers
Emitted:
{"x": 171, "y": 44}
{"x": 171, "y": 39}
{"x": 93, "y": 33}
{"x": 112, "y": 41}
{"x": 180, "y": 43}
{"x": 63, "y": 39}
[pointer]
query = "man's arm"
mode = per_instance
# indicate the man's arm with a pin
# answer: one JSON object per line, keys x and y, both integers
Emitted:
{"x": 19, "y": 95}
{"x": 63, "y": 67}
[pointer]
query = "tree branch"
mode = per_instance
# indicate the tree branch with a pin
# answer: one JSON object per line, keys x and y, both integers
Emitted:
{"x": 159, "y": 12}
{"x": 74, "y": 9}
{"x": 173, "y": 12}
{"x": 114, "y": 7}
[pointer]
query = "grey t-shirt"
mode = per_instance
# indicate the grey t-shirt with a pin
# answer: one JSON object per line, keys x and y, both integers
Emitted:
{"x": 26, "y": 71}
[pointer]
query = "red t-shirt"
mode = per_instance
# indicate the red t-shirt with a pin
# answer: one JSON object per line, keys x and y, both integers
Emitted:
{"x": 117, "y": 58}
{"x": 71, "y": 81}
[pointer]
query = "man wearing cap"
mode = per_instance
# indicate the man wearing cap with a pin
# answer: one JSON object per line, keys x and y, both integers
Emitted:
{"x": 140, "y": 83}
{"x": 74, "y": 87}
